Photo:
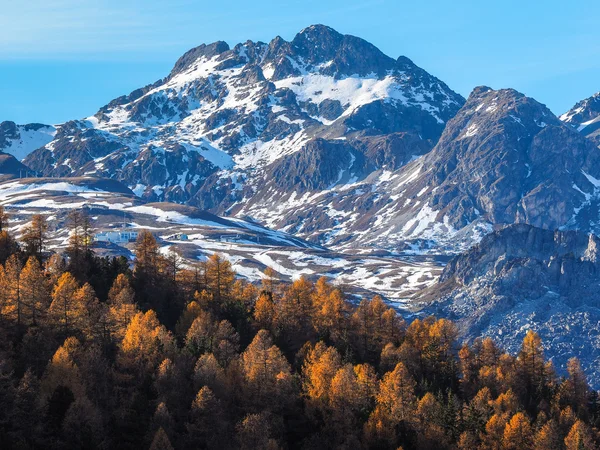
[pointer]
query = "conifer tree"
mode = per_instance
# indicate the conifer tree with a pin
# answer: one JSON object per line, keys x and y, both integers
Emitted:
{"x": 548, "y": 437}
{"x": 122, "y": 307}
{"x": 34, "y": 290}
{"x": 161, "y": 441}
{"x": 531, "y": 365}
{"x": 396, "y": 396}
{"x": 8, "y": 246}
{"x": 192, "y": 310}
{"x": 5, "y": 304}
{"x": 62, "y": 308}
{"x": 82, "y": 426}
{"x": 207, "y": 426}
{"x": 220, "y": 277}
{"x": 293, "y": 313}
{"x": 34, "y": 235}
{"x": 4, "y": 217}
{"x": 54, "y": 267}
{"x": 201, "y": 336}
{"x": 517, "y": 433}
{"x": 88, "y": 313}
{"x": 255, "y": 432}
{"x": 270, "y": 281}
{"x": 12, "y": 274}
{"x": 208, "y": 372}
{"x": 264, "y": 311}
{"x": 267, "y": 373}
{"x": 319, "y": 369}
{"x": 62, "y": 370}
{"x": 580, "y": 438}
{"x": 575, "y": 389}
{"x": 80, "y": 240}
{"x": 146, "y": 343}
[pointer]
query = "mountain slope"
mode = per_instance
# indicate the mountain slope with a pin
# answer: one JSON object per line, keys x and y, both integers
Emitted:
{"x": 504, "y": 158}
{"x": 523, "y": 278}
{"x": 195, "y": 234}
{"x": 225, "y": 119}
{"x": 21, "y": 140}
{"x": 585, "y": 116}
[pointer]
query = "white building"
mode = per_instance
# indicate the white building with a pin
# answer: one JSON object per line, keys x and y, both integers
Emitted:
{"x": 116, "y": 237}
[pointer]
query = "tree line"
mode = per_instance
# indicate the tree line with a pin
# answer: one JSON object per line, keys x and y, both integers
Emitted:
{"x": 95, "y": 354}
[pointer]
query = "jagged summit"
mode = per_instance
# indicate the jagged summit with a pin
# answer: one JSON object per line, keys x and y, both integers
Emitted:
{"x": 227, "y": 118}
{"x": 202, "y": 51}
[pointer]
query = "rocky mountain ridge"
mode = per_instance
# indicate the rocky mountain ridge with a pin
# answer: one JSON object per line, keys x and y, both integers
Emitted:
{"x": 504, "y": 158}
{"x": 225, "y": 117}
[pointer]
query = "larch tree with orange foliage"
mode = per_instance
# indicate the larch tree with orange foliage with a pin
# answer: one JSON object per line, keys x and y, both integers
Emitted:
{"x": 396, "y": 397}
{"x": 267, "y": 373}
{"x": 121, "y": 304}
{"x": 13, "y": 284}
{"x": 517, "y": 433}
{"x": 34, "y": 290}
{"x": 62, "y": 308}
{"x": 548, "y": 437}
{"x": 319, "y": 368}
{"x": 220, "y": 277}
{"x": 580, "y": 438}
{"x": 146, "y": 343}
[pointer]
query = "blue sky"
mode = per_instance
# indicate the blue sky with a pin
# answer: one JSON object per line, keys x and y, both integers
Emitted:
{"x": 63, "y": 59}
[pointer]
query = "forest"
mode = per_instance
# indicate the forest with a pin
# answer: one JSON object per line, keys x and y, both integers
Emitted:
{"x": 101, "y": 353}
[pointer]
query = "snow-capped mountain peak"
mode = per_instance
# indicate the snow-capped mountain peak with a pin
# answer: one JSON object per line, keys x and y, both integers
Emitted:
{"x": 209, "y": 132}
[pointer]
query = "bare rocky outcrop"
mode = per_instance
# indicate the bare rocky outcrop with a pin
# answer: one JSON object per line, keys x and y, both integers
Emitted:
{"x": 523, "y": 277}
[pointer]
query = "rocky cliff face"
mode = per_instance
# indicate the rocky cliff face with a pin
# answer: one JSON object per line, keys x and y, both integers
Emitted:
{"x": 585, "y": 117}
{"x": 230, "y": 128}
{"x": 523, "y": 277}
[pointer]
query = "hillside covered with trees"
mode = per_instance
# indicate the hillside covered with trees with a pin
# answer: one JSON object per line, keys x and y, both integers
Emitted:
{"x": 96, "y": 354}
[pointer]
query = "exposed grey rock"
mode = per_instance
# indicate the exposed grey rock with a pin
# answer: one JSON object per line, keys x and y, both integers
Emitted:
{"x": 504, "y": 158}
{"x": 522, "y": 277}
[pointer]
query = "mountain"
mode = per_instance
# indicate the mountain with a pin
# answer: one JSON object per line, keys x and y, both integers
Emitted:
{"x": 585, "y": 116}
{"x": 231, "y": 130}
{"x": 504, "y": 158}
{"x": 522, "y": 278}
{"x": 20, "y": 140}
